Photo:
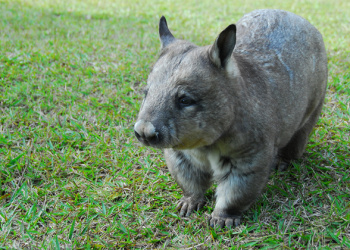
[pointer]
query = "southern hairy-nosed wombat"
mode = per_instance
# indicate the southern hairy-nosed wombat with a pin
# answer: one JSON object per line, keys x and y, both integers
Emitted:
{"x": 231, "y": 111}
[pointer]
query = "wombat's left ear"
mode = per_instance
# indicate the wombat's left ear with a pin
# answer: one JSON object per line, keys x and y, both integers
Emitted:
{"x": 164, "y": 33}
{"x": 221, "y": 50}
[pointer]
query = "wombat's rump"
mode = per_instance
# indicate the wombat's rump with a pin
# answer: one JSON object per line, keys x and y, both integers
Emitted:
{"x": 231, "y": 111}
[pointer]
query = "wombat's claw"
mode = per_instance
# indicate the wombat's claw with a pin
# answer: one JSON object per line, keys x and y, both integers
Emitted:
{"x": 188, "y": 204}
{"x": 282, "y": 165}
{"x": 221, "y": 222}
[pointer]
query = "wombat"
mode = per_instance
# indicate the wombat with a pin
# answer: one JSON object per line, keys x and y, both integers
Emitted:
{"x": 232, "y": 111}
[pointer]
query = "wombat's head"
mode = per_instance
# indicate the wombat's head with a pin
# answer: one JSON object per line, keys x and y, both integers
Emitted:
{"x": 188, "y": 99}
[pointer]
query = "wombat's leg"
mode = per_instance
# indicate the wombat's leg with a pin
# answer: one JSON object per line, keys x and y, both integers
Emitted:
{"x": 237, "y": 190}
{"x": 193, "y": 180}
{"x": 296, "y": 146}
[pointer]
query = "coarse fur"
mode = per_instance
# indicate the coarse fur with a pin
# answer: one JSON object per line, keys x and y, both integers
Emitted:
{"x": 231, "y": 111}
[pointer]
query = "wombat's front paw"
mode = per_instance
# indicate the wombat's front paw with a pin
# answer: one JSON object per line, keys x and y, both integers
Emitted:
{"x": 282, "y": 165}
{"x": 187, "y": 204}
{"x": 222, "y": 221}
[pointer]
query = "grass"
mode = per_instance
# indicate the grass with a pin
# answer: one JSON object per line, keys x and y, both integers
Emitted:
{"x": 73, "y": 175}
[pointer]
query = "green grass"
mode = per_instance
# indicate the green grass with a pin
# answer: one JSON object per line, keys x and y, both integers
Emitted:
{"x": 72, "y": 174}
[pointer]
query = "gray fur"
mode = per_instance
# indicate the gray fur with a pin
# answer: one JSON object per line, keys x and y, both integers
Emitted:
{"x": 230, "y": 116}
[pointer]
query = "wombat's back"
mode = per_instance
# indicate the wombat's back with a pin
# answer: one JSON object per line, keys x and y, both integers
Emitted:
{"x": 288, "y": 55}
{"x": 263, "y": 33}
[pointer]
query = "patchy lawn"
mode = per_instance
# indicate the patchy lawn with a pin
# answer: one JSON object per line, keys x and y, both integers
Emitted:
{"x": 73, "y": 175}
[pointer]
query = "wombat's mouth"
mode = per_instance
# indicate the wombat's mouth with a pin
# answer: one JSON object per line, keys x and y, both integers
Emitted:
{"x": 189, "y": 144}
{"x": 157, "y": 143}
{"x": 149, "y": 135}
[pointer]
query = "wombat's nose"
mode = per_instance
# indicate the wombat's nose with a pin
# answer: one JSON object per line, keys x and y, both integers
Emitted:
{"x": 145, "y": 132}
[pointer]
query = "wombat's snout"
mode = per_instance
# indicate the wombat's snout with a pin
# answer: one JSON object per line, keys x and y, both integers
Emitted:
{"x": 146, "y": 132}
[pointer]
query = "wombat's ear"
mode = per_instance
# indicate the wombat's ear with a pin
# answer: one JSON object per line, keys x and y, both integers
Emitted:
{"x": 164, "y": 33}
{"x": 221, "y": 50}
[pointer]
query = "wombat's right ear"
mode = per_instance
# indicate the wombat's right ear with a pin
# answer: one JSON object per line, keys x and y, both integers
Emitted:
{"x": 164, "y": 33}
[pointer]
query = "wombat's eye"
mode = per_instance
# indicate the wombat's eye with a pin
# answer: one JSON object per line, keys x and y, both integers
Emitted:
{"x": 185, "y": 101}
